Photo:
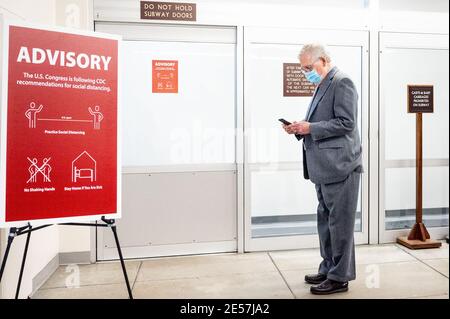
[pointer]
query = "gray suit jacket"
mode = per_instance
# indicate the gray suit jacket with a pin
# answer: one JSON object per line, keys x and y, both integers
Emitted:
{"x": 333, "y": 148}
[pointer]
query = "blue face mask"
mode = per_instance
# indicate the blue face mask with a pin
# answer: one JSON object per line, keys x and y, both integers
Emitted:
{"x": 313, "y": 77}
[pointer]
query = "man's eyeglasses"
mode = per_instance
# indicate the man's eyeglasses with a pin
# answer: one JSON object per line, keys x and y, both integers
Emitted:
{"x": 308, "y": 68}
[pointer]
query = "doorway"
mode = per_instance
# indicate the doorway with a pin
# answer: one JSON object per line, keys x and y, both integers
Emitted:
{"x": 280, "y": 206}
{"x": 416, "y": 59}
{"x": 179, "y": 193}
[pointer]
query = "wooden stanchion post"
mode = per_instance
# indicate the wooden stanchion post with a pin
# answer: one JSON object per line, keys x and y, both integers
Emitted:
{"x": 419, "y": 237}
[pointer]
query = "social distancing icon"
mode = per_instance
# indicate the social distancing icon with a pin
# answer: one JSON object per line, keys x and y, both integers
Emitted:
{"x": 31, "y": 113}
{"x": 98, "y": 116}
{"x": 32, "y": 116}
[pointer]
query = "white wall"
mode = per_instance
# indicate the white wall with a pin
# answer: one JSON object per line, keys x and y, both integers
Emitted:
{"x": 39, "y": 11}
{"x": 74, "y": 239}
{"x": 47, "y": 243}
{"x": 321, "y": 14}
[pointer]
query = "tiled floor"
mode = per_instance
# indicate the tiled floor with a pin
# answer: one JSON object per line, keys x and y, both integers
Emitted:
{"x": 383, "y": 271}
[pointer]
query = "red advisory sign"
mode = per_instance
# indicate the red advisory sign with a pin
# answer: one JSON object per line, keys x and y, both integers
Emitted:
{"x": 164, "y": 76}
{"x": 59, "y": 125}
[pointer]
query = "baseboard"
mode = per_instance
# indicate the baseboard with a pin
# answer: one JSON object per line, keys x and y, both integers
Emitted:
{"x": 45, "y": 274}
{"x": 79, "y": 257}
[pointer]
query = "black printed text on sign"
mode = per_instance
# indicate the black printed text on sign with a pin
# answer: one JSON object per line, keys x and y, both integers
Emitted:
{"x": 175, "y": 11}
{"x": 420, "y": 99}
{"x": 295, "y": 82}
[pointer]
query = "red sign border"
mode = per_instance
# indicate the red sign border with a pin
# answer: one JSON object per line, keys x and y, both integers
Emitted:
{"x": 5, "y": 25}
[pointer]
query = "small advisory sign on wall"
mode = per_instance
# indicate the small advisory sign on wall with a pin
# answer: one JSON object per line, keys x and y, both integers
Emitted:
{"x": 175, "y": 11}
{"x": 295, "y": 82}
{"x": 165, "y": 76}
{"x": 420, "y": 99}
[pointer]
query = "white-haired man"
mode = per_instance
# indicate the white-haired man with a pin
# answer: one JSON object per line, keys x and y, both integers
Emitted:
{"x": 332, "y": 161}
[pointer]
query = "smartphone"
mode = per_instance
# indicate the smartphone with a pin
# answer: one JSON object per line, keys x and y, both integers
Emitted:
{"x": 284, "y": 122}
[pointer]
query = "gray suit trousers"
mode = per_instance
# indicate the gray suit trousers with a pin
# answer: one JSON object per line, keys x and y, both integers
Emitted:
{"x": 335, "y": 224}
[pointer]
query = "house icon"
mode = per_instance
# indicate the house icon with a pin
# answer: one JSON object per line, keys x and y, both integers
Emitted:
{"x": 84, "y": 166}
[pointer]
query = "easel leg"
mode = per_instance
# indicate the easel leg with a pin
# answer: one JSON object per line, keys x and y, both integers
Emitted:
{"x": 24, "y": 258}
{"x": 119, "y": 250}
{"x": 12, "y": 234}
{"x": 122, "y": 262}
{"x": 112, "y": 224}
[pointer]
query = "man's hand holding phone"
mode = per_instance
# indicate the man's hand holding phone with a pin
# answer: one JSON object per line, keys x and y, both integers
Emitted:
{"x": 301, "y": 127}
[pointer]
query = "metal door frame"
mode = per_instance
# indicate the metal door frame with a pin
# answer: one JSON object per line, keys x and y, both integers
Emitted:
{"x": 102, "y": 253}
{"x": 332, "y": 37}
{"x": 403, "y": 40}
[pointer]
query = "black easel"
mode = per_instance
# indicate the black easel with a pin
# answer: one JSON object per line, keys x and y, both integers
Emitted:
{"x": 18, "y": 231}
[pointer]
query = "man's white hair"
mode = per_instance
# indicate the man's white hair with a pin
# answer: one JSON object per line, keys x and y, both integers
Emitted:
{"x": 316, "y": 50}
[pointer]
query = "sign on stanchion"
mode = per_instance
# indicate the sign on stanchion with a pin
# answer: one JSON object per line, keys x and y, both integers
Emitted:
{"x": 420, "y": 100}
{"x": 59, "y": 131}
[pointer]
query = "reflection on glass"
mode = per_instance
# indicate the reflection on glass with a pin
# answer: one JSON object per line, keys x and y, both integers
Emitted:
{"x": 400, "y": 197}
{"x": 405, "y": 218}
{"x": 284, "y": 204}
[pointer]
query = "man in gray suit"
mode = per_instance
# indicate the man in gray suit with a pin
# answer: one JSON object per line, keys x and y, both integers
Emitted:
{"x": 332, "y": 161}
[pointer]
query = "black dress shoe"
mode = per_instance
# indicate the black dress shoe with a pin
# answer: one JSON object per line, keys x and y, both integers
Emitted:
{"x": 329, "y": 287}
{"x": 315, "y": 278}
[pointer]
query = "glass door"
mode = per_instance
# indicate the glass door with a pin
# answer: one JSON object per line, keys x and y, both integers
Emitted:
{"x": 413, "y": 59}
{"x": 280, "y": 206}
{"x": 179, "y": 181}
